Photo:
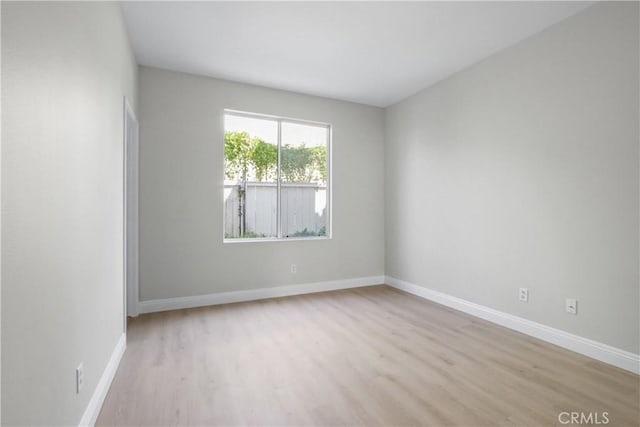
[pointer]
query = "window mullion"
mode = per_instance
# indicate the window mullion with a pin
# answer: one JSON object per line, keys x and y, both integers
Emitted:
{"x": 279, "y": 180}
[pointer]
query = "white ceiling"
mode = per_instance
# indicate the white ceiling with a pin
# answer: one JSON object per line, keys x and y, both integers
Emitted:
{"x": 374, "y": 53}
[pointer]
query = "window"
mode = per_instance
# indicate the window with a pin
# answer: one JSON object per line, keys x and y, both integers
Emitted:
{"x": 276, "y": 182}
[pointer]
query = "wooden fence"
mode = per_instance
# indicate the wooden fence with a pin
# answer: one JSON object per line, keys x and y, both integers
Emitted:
{"x": 303, "y": 208}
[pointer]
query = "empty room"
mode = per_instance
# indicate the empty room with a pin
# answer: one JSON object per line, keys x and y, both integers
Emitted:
{"x": 320, "y": 213}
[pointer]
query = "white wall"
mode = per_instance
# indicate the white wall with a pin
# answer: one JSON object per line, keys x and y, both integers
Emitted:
{"x": 65, "y": 70}
{"x": 181, "y": 190}
{"x": 522, "y": 171}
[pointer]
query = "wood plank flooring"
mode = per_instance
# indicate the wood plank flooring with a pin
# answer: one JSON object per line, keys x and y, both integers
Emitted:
{"x": 367, "y": 356}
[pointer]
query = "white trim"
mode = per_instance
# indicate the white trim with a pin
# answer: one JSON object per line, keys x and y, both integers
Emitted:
{"x": 596, "y": 350}
{"x": 274, "y": 239}
{"x": 278, "y": 185}
{"x": 152, "y": 306}
{"x": 95, "y": 404}
{"x": 130, "y": 149}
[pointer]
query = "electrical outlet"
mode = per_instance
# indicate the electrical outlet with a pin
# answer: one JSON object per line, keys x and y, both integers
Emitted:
{"x": 294, "y": 268}
{"x": 79, "y": 378}
{"x": 524, "y": 294}
{"x": 571, "y": 306}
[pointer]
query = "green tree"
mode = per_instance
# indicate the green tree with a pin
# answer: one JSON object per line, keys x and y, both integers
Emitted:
{"x": 245, "y": 155}
{"x": 264, "y": 158}
{"x": 294, "y": 161}
{"x": 304, "y": 164}
{"x": 249, "y": 158}
{"x": 319, "y": 162}
{"x": 237, "y": 151}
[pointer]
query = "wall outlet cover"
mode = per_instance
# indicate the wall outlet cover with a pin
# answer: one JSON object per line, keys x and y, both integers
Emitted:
{"x": 79, "y": 378}
{"x": 524, "y": 294}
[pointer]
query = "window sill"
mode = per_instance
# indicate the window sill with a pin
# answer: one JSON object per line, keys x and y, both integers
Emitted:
{"x": 275, "y": 239}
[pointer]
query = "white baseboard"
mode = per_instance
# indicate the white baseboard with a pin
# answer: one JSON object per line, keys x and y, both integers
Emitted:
{"x": 596, "y": 350}
{"x": 95, "y": 404}
{"x": 254, "y": 294}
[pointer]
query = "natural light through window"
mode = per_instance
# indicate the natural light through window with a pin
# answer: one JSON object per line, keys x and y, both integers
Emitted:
{"x": 276, "y": 178}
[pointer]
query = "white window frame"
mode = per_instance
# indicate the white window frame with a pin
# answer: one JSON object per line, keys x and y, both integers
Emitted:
{"x": 279, "y": 237}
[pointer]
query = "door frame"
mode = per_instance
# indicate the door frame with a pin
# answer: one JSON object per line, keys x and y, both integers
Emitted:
{"x": 131, "y": 288}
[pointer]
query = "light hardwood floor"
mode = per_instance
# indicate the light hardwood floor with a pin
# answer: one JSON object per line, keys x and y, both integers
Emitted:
{"x": 366, "y": 356}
